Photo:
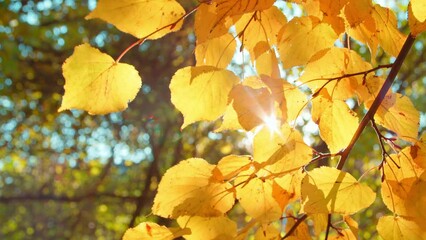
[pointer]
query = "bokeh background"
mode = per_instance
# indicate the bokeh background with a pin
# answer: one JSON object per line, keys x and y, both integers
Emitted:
{"x": 71, "y": 175}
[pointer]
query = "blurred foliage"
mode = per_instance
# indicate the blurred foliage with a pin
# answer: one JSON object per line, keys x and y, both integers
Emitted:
{"x": 77, "y": 176}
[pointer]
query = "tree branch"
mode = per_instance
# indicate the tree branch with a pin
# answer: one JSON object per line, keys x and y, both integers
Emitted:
{"x": 378, "y": 100}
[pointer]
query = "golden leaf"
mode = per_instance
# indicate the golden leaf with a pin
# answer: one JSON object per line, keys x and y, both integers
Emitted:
{"x": 188, "y": 189}
{"x": 201, "y": 93}
{"x": 150, "y": 230}
{"x": 126, "y": 16}
{"x": 208, "y": 228}
{"x": 217, "y": 51}
{"x": 94, "y": 82}
{"x": 329, "y": 190}
{"x": 416, "y": 26}
{"x": 301, "y": 38}
{"x": 419, "y": 9}
{"x": 399, "y": 228}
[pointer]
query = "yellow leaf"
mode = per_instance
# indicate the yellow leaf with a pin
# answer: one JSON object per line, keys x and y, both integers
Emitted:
{"x": 416, "y": 26}
{"x": 283, "y": 150}
{"x": 211, "y": 228}
{"x": 380, "y": 27}
{"x": 419, "y": 9}
{"x": 148, "y": 230}
{"x": 329, "y": 190}
{"x": 327, "y": 68}
{"x": 399, "y": 228}
{"x": 235, "y": 7}
{"x": 267, "y": 232}
{"x": 217, "y": 51}
{"x": 201, "y": 93}
{"x": 261, "y": 26}
{"x": 320, "y": 222}
{"x": 230, "y": 166}
{"x": 188, "y": 189}
{"x": 230, "y": 120}
{"x": 418, "y": 152}
{"x": 257, "y": 200}
{"x": 253, "y": 106}
{"x": 337, "y": 123}
{"x": 301, "y": 38}
{"x": 398, "y": 114}
{"x": 127, "y": 16}
{"x": 332, "y": 7}
{"x": 291, "y": 184}
{"x": 207, "y": 25}
{"x": 94, "y": 82}
{"x": 266, "y": 61}
{"x": 295, "y": 102}
{"x": 346, "y": 235}
{"x": 356, "y": 11}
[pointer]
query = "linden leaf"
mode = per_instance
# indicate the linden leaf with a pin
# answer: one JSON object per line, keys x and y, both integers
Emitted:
{"x": 126, "y": 16}
{"x": 337, "y": 123}
{"x": 236, "y": 7}
{"x": 419, "y": 9}
{"x": 327, "y": 68}
{"x": 418, "y": 152}
{"x": 398, "y": 114}
{"x": 211, "y": 228}
{"x": 230, "y": 120}
{"x": 201, "y": 93}
{"x": 188, "y": 189}
{"x": 207, "y": 25}
{"x": 301, "y": 232}
{"x": 256, "y": 197}
{"x": 416, "y": 26}
{"x": 344, "y": 234}
{"x": 94, "y": 82}
{"x": 329, "y": 190}
{"x": 301, "y": 38}
{"x": 216, "y": 51}
{"x": 229, "y": 166}
{"x": 150, "y": 230}
{"x": 267, "y": 232}
{"x": 399, "y": 228}
{"x": 356, "y": 11}
{"x": 252, "y": 105}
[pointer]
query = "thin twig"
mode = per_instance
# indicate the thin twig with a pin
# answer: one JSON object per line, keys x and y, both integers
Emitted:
{"x": 328, "y": 226}
{"x": 296, "y": 224}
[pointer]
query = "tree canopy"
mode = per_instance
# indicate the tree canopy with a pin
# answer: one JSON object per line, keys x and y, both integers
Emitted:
{"x": 241, "y": 119}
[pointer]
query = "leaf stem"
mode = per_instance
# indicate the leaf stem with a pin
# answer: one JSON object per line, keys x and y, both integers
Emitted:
{"x": 378, "y": 100}
{"x": 171, "y": 26}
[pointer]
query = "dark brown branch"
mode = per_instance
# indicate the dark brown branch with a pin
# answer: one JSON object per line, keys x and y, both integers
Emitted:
{"x": 296, "y": 224}
{"x": 328, "y": 226}
{"x": 378, "y": 100}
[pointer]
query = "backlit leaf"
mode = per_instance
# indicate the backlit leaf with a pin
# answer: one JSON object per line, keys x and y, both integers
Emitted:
{"x": 94, "y": 82}
{"x": 301, "y": 38}
{"x": 208, "y": 228}
{"x": 327, "y": 69}
{"x": 398, "y": 114}
{"x": 216, "y": 51}
{"x": 329, "y": 190}
{"x": 416, "y": 26}
{"x": 267, "y": 232}
{"x": 188, "y": 189}
{"x": 398, "y": 228}
{"x": 127, "y": 16}
{"x": 149, "y": 230}
{"x": 201, "y": 93}
{"x": 337, "y": 123}
{"x": 419, "y": 9}
{"x": 229, "y": 166}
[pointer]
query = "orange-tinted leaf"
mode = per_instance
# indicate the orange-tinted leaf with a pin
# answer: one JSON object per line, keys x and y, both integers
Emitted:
{"x": 335, "y": 63}
{"x": 208, "y": 228}
{"x": 188, "y": 189}
{"x": 201, "y": 93}
{"x": 94, "y": 82}
{"x": 300, "y": 233}
{"x": 126, "y": 16}
{"x": 398, "y": 228}
{"x": 419, "y": 9}
{"x": 301, "y": 38}
{"x": 252, "y": 105}
{"x": 267, "y": 232}
{"x": 329, "y": 190}
{"x": 398, "y": 114}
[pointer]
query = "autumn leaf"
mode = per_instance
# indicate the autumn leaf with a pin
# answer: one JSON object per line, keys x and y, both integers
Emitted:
{"x": 337, "y": 123}
{"x": 217, "y": 51}
{"x": 327, "y": 69}
{"x": 230, "y": 166}
{"x": 416, "y": 26}
{"x": 153, "y": 231}
{"x": 126, "y": 16}
{"x": 329, "y": 190}
{"x": 398, "y": 228}
{"x": 302, "y": 38}
{"x": 94, "y": 82}
{"x": 419, "y": 9}
{"x": 201, "y": 93}
{"x": 267, "y": 232}
{"x": 187, "y": 189}
{"x": 208, "y": 228}
{"x": 256, "y": 197}
{"x": 398, "y": 114}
